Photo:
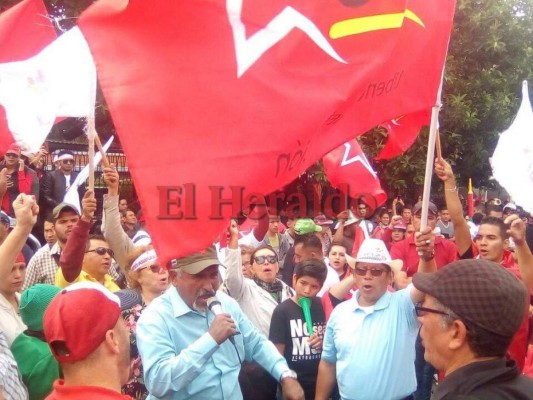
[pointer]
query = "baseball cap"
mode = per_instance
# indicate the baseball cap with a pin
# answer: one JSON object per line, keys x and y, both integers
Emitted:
{"x": 321, "y": 219}
{"x": 197, "y": 262}
{"x": 306, "y": 225}
{"x": 481, "y": 292}
{"x": 374, "y": 251}
{"x": 14, "y": 149}
{"x": 510, "y": 205}
{"x": 63, "y": 207}
{"x": 33, "y": 304}
{"x": 432, "y": 208}
{"x": 78, "y": 318}
{"x": 399, "y": 224}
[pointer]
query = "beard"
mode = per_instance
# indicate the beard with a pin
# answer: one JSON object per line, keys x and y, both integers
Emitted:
{"x": 202, "y": 295}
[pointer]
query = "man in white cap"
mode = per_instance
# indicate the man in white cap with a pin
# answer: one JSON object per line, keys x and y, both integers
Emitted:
{"x": 369, "y": 345}
{"x": 56, "y": 183}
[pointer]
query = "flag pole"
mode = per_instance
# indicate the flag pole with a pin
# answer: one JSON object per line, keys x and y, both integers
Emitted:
{"x": 98, "y": 143}
{"x": 433, "y": 132}
{"x": 91, "y": 133}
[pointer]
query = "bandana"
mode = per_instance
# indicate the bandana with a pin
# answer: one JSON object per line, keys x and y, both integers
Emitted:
{"x": 147, "y": 257}
{"x": 273, "y": 288}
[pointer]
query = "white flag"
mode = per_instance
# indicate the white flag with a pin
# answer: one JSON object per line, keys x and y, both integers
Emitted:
{"x": 72, "y": 196}
{"x": 512, "y": 161}
{"x": 60, "y": 81}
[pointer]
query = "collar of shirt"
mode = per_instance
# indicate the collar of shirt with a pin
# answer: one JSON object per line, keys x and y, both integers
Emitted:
{"x": 178, "y": 305}
{"x": 55, "y": 250}
{"x": 381, "y": 304}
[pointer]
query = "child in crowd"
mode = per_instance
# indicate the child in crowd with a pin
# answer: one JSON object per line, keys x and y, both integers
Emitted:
{"x": 288, "y": 329}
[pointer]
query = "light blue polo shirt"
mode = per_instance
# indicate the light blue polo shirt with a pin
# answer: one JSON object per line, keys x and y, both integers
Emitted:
{"x": 373, "y": 349}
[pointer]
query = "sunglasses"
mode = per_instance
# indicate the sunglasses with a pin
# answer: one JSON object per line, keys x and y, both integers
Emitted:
{"x": 102, "y": 251}
{"x": 67, "y": 161}
{"x": 376, "y": 272}
{"x": 263, "y": 259}
{"x": 421, "y": 311}
{"x": 12, "y": 155}
{"x": 156, "y": 268}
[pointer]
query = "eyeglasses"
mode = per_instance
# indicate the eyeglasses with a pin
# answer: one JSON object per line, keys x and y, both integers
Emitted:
{"x": 12, "y": 155}
{"x": 263, "y": 259}
{"x": 102, "y": 251}
{"x": 376, "y": 272}
{"x": 421, "y": 311}
{"x": 67, "y": 161}
{"x": 156, "y": 268}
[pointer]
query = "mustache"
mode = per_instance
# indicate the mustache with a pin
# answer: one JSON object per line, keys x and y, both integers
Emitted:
{"x": 205, "y": 293}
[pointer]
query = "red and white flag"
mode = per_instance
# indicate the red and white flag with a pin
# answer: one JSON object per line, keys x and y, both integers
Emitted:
{"x": 347, "y": 168}
{"x": 212, "y": 99}
{"x": 402, "y": 133}
{"x": 25, "y": 30}
{"x": 60, "y": 81}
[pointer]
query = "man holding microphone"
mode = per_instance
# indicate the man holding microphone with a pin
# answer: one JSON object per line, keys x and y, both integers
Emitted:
{"x": 185, "y": 348}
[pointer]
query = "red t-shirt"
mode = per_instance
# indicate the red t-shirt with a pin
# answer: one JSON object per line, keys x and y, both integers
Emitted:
{"x": 405, "y": 250}
{"x": 61, "y": 392}
{"x": 518, "y": 347}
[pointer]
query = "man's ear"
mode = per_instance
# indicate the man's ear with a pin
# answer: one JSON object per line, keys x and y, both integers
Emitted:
{"x": 458, "y": 335}
{"x": 111, "y": 340}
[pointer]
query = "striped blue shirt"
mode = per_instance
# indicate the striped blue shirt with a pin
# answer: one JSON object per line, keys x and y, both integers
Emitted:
{"x": 373, "y": 347}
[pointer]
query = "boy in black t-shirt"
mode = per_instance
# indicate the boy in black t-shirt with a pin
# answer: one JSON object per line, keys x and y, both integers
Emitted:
{"x": 288, "y": 329}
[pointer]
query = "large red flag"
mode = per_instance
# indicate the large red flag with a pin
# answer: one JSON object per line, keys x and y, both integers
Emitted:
{"x": 347, "y": 168}
{"x": 217, "y": 98}
{"x": 25, "y": 29}
{"x": 402, "y": 133}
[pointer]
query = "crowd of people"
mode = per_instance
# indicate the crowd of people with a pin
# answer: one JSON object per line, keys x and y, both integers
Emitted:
{"x": 374, "y": 305}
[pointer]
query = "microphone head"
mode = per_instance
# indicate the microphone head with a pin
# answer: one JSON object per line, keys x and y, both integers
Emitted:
{"x": 212, "y": 301}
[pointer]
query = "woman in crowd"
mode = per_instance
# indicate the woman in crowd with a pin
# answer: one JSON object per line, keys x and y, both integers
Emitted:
{"x": 147, "y": 280}
{"x": 258, "y": 297}
{"x": 337, "y": 260}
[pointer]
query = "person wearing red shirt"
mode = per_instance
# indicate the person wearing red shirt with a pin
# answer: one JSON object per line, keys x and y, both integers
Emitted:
{"x": 88, "y": 337}
{"x": 491, "y": 243}
{"x": 405, "y": 250}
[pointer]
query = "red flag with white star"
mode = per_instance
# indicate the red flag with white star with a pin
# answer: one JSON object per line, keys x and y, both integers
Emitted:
{"x": 216, "y": 99}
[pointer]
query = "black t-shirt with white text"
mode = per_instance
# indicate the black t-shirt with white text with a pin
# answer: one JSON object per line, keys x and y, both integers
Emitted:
{"x": 288, "y": 327}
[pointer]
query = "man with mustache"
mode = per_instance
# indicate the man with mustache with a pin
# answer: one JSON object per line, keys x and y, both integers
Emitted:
{"x": 185, "y": 349}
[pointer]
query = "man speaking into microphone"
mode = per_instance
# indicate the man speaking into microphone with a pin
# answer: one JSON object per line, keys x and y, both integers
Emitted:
{"x": 185, "y": 348}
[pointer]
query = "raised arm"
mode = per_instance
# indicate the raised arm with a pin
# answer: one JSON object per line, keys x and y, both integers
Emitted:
{"x": 26, "y": 211}
{"x": 71, "y": 259}
{"x": 462, "y": 233}
{"x": 235, "y": 280}
{"x": 517, "y": 230}
{"x": 338, "y": 237}
{"x": 117, "y": 239}
{"x": 425, "y": 246}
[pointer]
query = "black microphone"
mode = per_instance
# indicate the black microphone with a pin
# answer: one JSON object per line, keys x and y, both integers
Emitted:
{"x": 216, "y": 308}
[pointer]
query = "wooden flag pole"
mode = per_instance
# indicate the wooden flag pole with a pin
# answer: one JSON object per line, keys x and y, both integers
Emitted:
{"x": 91, "y": 133}
{"x": 439, "y": 148}
{"x": 98, "y": 143}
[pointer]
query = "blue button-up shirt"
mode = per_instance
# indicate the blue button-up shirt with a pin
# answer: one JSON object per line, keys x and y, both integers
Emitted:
{"x": 181, "y": 360}
{"x": 373, "y": 348}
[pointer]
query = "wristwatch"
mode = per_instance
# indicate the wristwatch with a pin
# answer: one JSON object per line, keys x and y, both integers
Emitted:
{"x": 288, "y": 374}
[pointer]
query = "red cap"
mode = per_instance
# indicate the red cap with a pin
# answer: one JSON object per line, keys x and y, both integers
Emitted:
{"x": 13, "y": 149}
{"x": 77, "y": 320}
{"x": 20, "y": 258}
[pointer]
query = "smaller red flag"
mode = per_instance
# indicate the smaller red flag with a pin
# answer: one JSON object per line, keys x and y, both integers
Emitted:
{"x": 347, "y": 166}
{"x": 402, "y": 133}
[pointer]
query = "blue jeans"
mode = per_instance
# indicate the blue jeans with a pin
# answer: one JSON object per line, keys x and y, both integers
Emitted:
{"x": 424, "y": 373}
